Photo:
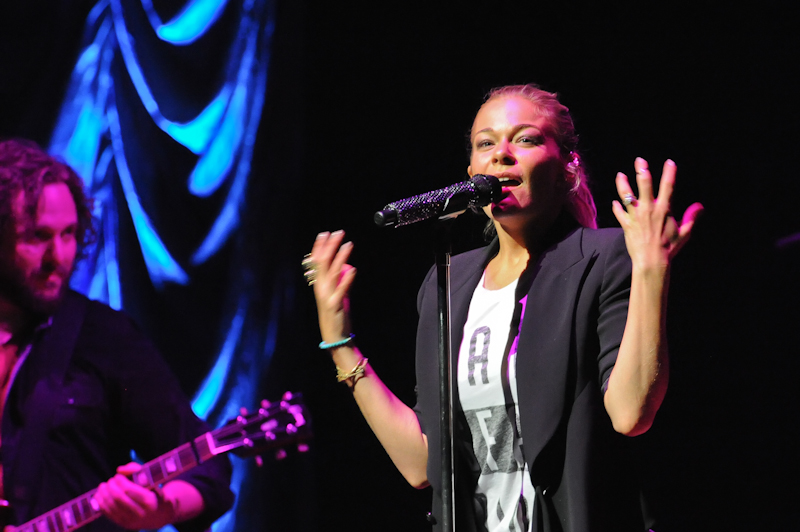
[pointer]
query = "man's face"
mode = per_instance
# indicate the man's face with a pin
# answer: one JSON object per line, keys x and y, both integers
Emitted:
{"x": 36, "y": 259}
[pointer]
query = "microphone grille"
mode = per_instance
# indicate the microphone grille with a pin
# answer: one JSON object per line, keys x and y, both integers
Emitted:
{"x": 427, "y": 205}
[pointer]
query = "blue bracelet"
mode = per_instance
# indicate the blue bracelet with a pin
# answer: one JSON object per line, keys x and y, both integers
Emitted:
{"x": 340, "y": 343}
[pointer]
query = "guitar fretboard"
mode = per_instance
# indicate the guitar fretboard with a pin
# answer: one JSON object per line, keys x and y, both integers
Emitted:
{"x": 83, "y": 510}
{"x": 272, "y": 425}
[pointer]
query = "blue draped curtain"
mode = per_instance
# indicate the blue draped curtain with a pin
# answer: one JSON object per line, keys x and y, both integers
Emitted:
{"x": 161, "y": 119}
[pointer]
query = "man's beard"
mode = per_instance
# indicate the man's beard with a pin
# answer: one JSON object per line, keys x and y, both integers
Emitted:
{"x": 17, "y": 289}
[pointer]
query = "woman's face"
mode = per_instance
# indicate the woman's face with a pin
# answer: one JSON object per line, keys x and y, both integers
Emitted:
{"x": 511, "y": 141}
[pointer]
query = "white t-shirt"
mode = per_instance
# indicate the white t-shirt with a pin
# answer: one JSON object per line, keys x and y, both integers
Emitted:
{"x": 487, "y": 387}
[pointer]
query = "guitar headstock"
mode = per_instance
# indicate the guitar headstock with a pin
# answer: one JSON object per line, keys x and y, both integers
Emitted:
{"x": 274, "y": 425}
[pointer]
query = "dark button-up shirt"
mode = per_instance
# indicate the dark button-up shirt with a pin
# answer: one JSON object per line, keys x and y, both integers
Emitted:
{"x": 117, "y": 396}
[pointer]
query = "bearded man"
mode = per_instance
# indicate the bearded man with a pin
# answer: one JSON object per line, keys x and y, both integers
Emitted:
{"x": 80, "y": 385}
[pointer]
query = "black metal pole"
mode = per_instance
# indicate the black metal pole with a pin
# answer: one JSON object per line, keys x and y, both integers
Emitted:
{"x": 443, "y": 249}
{"x": 446, "y": 205}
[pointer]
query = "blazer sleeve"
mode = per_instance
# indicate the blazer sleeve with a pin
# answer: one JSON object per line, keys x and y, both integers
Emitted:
{"x": 614, "y": 294}
{"x": 423, "y": 405}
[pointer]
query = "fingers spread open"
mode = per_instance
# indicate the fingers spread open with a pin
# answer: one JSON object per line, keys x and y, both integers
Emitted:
{"x": 345, "y": 281}
{"x": 689, "y": 218}
{"x": 643, "y": 180}
{"x": 340, "y": 259}
{"x": 324, "y": 249}
{"x": 623, "y": 186}
{"x": 667, "y": 184}
{"x": 620, "y": 213}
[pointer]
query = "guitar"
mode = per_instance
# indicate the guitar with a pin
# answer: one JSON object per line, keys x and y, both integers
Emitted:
{"x": 272, "y": 426}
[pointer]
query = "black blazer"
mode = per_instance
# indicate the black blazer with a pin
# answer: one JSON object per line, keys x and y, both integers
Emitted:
{"x": 575, "y": 316}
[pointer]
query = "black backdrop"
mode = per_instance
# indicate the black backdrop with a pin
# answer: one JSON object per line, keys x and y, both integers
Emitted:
{"x": 370, "y": 102}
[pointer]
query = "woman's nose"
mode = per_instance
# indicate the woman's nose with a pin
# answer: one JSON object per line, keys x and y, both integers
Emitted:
{"x": 502, "y": 154}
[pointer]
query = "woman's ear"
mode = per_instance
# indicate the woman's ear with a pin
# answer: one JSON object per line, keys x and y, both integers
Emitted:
{"x": 469, "y": 170}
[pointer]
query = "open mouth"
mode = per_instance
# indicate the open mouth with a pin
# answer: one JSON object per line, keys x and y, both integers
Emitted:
{"x": 508, "y": 181}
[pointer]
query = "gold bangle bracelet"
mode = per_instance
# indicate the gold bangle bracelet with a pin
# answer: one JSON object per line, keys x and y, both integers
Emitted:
{"x": 341, "y": 376}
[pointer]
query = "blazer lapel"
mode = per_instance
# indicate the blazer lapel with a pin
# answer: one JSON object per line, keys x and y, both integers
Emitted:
{"x": 544, "y": 343}
{"x": 545, "y": 335}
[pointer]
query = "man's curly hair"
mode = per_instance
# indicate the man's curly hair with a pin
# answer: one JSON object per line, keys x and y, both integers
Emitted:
{"x": 26, "y": 168}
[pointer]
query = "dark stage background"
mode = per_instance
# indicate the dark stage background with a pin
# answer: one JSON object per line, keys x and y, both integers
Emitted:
{"x": 370, "y": 102}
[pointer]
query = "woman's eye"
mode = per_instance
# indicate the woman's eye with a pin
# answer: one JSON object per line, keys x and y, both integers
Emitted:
{"x": 530, "y": 139}
{"x": 483, "y": 143}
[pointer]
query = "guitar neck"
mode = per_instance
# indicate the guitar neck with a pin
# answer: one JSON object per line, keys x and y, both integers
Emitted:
{"x": 272, "y": 425}
{"x": 83, "y": 510}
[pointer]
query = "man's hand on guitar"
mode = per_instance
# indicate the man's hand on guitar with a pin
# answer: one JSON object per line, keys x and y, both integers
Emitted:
{"x": 132, "y": 499}
{"x": 135, "y": 508}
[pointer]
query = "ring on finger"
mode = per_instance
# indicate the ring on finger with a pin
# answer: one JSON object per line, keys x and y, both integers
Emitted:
{"x": 310, "y": 267}
{"x": 308, "y": 263}
{"x": 629, "y": 199}
{"x": 311, "y": 276}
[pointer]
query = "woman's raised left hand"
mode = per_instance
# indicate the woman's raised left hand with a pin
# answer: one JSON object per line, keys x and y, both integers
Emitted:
{"x": 652, "y": 235}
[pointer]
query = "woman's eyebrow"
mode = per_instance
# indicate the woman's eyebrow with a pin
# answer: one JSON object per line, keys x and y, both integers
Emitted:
{"x": 515, "y": 129}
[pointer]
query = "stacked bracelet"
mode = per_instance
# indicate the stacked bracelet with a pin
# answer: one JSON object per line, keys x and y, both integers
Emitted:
{"x": 355, "y": 373}
{"x": 340, "y": 343}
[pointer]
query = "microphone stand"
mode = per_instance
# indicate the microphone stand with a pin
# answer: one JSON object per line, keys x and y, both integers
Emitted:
{"x": 442, "y": 250}
{"x": 447, "y": 204}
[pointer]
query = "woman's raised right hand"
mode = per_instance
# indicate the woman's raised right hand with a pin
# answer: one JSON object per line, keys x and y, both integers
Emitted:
{"x": 332, "y": 284}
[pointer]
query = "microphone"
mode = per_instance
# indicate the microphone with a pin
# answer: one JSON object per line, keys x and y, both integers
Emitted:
{"x": 448, "y": 202}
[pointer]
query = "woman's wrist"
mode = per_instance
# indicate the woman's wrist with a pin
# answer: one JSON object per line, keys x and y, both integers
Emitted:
{"x": 652, "y": 269}
{"x": 341, "y": 342}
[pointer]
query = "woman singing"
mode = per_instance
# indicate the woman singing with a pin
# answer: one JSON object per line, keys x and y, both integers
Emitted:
{"x": 558, "y": 333}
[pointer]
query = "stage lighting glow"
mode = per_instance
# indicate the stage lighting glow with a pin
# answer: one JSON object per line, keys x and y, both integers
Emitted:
{"x": 211, "y": 389}
{"x": 196, "y": 17}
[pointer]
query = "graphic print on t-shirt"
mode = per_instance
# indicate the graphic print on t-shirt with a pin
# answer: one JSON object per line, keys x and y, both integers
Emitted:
{"x": 488, "y": 395}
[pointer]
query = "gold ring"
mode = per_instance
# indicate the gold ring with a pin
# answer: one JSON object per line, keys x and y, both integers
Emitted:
{"x": 310, "y": 268}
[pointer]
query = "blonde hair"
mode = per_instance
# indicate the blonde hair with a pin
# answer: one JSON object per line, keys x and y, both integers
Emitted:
{"x": 580, "y": 202}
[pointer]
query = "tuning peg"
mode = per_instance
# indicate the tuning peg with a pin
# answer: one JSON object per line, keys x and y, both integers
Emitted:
{"x": 302, "y": 447}
{"x": 243, "y": 411}
{"x": 297, "y": 412}
{"x": 280, "y": 454}
{"x": 265, "y": 403}
{"x": 288, "y": 396}
{"x": 259, "y": 460}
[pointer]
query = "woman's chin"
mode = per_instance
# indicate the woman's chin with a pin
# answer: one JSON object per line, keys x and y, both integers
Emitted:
{"x": 501, "y": 211}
